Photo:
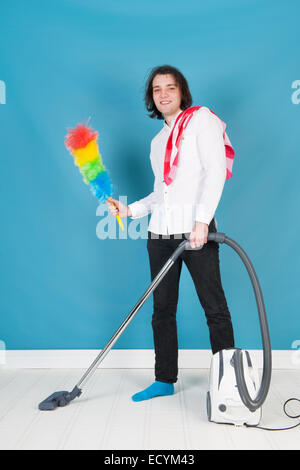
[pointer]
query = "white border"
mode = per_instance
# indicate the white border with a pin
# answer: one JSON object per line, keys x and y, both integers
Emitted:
{"x": 128, "y": 359}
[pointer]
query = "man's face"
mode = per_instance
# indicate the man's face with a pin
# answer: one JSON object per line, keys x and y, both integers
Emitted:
{"x": 166, "y": 94}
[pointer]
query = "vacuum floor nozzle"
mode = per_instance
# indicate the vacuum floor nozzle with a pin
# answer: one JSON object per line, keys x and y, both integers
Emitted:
{"x": 59, "y": 399}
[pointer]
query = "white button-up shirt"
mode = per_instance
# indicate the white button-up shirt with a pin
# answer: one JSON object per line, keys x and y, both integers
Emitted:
{"x": 197, "y": 187}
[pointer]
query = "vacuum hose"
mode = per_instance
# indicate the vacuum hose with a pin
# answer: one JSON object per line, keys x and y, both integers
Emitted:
{"x": 251, "y": 403}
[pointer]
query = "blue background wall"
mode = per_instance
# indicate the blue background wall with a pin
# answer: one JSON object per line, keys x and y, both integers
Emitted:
{"x": 64, "y": 61}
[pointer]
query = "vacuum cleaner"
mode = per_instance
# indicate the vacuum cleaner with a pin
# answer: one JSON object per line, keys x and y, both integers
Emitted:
{"x": 236, "y": 394}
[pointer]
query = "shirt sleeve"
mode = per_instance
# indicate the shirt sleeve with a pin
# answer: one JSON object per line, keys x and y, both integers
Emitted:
{"x": 211, "y": 151}
{"x": 144, "y": 206}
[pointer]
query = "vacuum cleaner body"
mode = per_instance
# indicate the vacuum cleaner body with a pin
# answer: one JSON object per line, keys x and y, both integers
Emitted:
{"x": 224, "y": 403}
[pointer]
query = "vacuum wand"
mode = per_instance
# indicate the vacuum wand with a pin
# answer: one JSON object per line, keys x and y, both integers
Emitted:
{"x": 63, "y": 398}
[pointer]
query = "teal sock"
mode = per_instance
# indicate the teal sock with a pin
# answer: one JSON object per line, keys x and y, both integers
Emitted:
{"x": 155, "y": 390}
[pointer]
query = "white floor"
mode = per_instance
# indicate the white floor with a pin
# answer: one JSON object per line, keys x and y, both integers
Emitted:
{"x": 104, "y": 417}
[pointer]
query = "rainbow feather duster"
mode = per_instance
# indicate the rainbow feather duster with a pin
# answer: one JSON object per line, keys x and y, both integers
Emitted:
{"x": 82, "y": 144}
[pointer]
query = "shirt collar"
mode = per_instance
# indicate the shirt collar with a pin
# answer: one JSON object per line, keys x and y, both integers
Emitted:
{"x": 168, "y": 128}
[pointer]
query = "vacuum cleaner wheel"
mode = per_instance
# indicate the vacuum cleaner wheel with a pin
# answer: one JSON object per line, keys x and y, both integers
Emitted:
{"x": 208, "y": 406}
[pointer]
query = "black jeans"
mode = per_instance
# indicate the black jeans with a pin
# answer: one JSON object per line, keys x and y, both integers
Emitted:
{"x": 204, "y": 268}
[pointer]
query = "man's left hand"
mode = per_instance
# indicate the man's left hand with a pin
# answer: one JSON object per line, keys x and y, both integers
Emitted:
{"x": 199, "y": 234}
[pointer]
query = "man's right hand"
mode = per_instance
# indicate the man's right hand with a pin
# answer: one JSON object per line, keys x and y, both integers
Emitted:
{"x": 118, "y": 208}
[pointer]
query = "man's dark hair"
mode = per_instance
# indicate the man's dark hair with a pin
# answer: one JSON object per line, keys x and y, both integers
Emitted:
{"x": 186, "y": 97}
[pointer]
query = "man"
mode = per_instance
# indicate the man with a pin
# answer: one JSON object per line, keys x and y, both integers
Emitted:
{"x": 187, "y": 205}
